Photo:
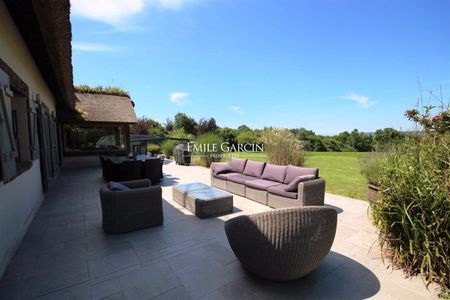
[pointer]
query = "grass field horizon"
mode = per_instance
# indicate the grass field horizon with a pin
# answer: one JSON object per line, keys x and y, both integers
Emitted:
{"x": 341, "y": 170}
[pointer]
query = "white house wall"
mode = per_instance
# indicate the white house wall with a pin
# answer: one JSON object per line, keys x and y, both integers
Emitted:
{"x": 21, "y": 197}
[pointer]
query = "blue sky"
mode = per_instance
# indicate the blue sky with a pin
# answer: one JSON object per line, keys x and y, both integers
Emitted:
{"x": 328, "y": 66}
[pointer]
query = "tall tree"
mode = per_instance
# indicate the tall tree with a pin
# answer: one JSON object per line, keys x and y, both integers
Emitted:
{"x": 228, "y": 134}
{"x": 146, "y": 126}
{"x": 168, "y": 125}
{"x": 244, "y": 128}
{"x": 183, "y": 121}
{"x": 206, "y": 126}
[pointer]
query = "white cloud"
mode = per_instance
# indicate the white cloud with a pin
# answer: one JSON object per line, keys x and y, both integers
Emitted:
{"x": 172, "y": 4}
{"x": 91, "y": 47}
{"x": 113, "y": 12}
{"x": 119, "y": 13}
{"x": 179, "y": 98}
{"x": 236, "y": 109}
{"x": 363, "y": 101}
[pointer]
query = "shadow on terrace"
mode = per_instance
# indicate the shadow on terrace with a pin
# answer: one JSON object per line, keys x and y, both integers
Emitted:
{"x": 65, "y": 254}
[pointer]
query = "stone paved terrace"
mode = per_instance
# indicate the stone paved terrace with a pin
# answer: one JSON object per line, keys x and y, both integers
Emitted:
{"x": 66, "y": 255}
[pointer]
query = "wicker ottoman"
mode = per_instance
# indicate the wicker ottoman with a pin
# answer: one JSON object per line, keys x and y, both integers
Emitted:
{"x": 180, "y": 191}
{"x": 209, "y": 202}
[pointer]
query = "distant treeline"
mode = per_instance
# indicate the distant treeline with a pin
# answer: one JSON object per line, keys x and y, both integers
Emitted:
{"x": 184, "y": 126}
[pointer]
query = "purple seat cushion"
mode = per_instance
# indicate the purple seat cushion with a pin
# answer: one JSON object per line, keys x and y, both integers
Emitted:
{"x": 226, "y": 175}
{"x": 254, "y": 168}
{"x": 117, "y": 186}
{"x": 260, "y": 184}
{"x": 220, "y": 168}
{"x": 280, "y": 191}
{"x": 238, "y": 164}
{"x": 293, "y": 171}
{"x": 240, "y": 178}
{"x": 274, "y": 173}
{"x": 293, "y": 185}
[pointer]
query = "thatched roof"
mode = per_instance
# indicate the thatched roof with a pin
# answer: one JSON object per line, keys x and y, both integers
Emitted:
{"x": 46, "y": 29}
{"x": 105, "y": 108}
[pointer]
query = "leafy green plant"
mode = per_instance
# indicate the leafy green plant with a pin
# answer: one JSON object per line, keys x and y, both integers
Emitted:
{"x": 282, "y": 147}
{"x": 108, "y": 90}
{"x": 208, "y": 149}
{"x": 439, "y": 122}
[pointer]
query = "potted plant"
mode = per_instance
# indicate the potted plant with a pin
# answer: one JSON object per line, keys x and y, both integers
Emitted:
{"x": 372, "y": 169}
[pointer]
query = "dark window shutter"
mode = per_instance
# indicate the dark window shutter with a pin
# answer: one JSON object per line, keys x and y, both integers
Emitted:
{"x": 33, "y": 131}
{"x": 7, "y": 146}
{"x": 54, "y": 141}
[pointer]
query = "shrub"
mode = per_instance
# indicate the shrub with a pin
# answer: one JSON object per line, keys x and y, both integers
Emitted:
{"x": 412, "y": 212}
{"x": 372, "y": 167}
{"x": 208, "y": 149}
{"x": 167, "y": 147}
{"x": 153, "y": 148}
{"x": 248, "y": 137}
{"x": 282, "y": 147}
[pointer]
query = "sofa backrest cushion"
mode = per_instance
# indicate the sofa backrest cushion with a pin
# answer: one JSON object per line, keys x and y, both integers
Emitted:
{"x": 254, "y": 168}
{"x": 117, "y": 186}
{"x": 293, "y": 171}
{"x": 274, "y": 173}
{"x": 238, "y": 164}
{"x": 220, "y": 168}
{"x": 293, "y": 185}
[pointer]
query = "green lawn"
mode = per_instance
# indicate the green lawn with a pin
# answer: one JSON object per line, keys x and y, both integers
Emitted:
{"x": 340, "y": 170}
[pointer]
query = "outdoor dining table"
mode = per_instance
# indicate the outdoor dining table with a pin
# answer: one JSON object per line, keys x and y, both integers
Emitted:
{"x": 121, "y": 159}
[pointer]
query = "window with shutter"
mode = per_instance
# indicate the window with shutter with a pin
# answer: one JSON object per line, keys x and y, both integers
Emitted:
{"x": 7, "y": 145}
{"x": 33, "y": 131}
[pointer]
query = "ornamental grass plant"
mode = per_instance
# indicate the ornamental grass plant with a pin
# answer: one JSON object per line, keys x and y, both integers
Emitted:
{"x": 282, "y": 147}
{"x": 412, "y": 212}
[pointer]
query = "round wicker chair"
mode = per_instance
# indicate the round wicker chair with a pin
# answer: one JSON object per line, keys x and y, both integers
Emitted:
{"x": 283, "y": 244}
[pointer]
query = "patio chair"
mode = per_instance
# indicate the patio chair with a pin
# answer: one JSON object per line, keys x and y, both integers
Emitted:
{"x": 102, "y": 163}
{"x": 152, "y": 169}
{"x": 283, "y": 244}
{"x": 111, "y": 170}
{"x": 130, "y": 170}
{"x": 136, "y": 208}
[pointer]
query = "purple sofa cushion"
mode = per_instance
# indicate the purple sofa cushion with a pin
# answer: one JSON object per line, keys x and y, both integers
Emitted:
{"x": 293, "y": 185}
{"x": 240, "y": 178}
{"x": 226, "y": 175}
{"x": 293, "y": 171}
{"x": 254, "y": 168}
{"x": 260, "y": 184}
{"x": 280, "y": 191}
{"x": 274, "y": 173}
{"x": 238, "y": 164}
{"x": 220, "y": 168}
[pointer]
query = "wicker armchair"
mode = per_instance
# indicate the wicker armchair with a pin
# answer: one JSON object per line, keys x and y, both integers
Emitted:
{"x": 130, "y": 170}
{"x": 283, "y": 244}
{"x": 137, "y": 208}
{"x": 152, "y": 169}
{"x": 102, "y": 163}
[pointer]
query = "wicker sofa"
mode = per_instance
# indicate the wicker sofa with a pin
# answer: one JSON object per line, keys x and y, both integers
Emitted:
{"x": 268, "y": 184}
{"x": 283, "y": 244}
